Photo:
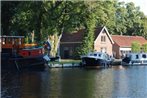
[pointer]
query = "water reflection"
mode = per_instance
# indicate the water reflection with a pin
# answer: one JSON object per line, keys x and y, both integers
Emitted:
{"x": 115, "y": 82}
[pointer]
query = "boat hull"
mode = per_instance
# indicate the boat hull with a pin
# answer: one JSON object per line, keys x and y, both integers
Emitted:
{"x": 86, "y": 61}
{"x": 134, "y": 64}
{"x": 12, "y": 62}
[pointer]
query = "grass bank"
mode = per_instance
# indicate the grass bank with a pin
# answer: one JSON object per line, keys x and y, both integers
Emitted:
{"x": 65, "y": 61}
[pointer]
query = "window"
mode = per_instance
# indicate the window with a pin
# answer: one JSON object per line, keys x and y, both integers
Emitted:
{"x": 66, "y": 48}
{"x": 91, "y": 54}
{"x": 9, "y": 41}
{"x": 103, "y": 38}
{"x": 137, "y": 56}
{"x": 20, "y": 41}
{"x": 3, "y": 41}
{"x": 95, "y": 54}
{"x": 70, "y": 52}
{"x": 144, "y": 56}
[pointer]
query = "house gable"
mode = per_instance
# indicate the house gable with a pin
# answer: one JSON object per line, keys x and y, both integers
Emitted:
{"x": 103, "y": 42}
{"x": 104, "y": 30}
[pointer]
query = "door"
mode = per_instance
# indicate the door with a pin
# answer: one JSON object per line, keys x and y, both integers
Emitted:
{"x": 66, "y": 54}
{"x": 103, "y": 49}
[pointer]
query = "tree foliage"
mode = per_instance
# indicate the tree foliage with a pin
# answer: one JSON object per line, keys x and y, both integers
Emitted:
{"x": 144, "y": 47}
{"x": 135, "y": 47}
{"x": 89, "y": 24}
{"x": 8, "y": 10}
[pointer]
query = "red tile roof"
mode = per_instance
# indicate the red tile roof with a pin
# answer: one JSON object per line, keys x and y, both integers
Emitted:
{"x": 78, "y": 36}
{"x": 126, "y": 41}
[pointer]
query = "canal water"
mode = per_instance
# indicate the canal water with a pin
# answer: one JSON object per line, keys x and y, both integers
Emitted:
{"x": 115, "y": 82}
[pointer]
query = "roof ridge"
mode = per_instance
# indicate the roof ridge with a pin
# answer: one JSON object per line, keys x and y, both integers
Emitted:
{"x": 128, "y": 35}
{"x": 126, "y": 40}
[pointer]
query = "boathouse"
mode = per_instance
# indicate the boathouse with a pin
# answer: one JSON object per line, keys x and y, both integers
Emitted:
{"x": 122, "y": 44}
{"x": 70, "y": 41}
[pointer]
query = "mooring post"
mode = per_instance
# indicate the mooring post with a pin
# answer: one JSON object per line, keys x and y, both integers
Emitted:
{"x": 62, "y": 65}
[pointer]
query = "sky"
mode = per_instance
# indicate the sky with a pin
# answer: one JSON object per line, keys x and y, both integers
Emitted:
{"x": 141, "y": 3}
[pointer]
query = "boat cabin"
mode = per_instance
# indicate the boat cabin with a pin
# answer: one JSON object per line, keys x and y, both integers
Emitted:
{"x": 135, "y": 58}
{"x": 138, "y": 56}
{"x": 98, "y": 55}
{"x": 16, "y": 45}
{"x": 9, "y": 43}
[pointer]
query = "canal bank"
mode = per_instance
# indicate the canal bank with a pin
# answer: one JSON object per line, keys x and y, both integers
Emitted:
{"x": 64, "y": 63}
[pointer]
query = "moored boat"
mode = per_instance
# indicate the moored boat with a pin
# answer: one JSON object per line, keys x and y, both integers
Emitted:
{"x": 96, "y": 59}
{"x": 135, "y": 59}
{"x": 15, "y": 53}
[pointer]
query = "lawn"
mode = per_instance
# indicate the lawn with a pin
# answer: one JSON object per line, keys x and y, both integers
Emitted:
{"x": 66, "y": 61}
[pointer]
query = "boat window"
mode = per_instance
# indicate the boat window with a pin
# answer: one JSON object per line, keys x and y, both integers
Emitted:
{"x": 91, "y": 54}
{"x": 13, "y": 41}
{"x": 20, "y": 41}
{"x": 99, "y": 55}
{"x": 144, "y": 56}
{"x": 16, "y": 41}
{"x": 95, "y": 54}
{"x": 137, "y": 56}
{"x": 9, "y": 41}
{"x": 3, "y": 41}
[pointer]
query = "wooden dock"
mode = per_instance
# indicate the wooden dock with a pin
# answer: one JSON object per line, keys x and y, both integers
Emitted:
{"x": 73, "y": 63}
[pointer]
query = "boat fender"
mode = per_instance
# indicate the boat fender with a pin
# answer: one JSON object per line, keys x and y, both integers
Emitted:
{"x": 46, "y": 57}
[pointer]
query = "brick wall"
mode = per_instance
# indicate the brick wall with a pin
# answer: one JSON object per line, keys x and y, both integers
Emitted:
{"x": 98, "y": 45}
{"x": 116, "y": 52}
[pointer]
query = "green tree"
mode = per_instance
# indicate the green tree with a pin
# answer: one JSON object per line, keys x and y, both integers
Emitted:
{"x": 8, "y": 9}
{"x": 134, "y": 19}
{"x": 120, "y": 19}
{"x": 31, "y": 16}
{"x": 129, "y": 20}
{"x": 144, "y": 47}
{"x": 89, "y": 22}
{"x": 47, "y": 18}
{"x": 135, "y": 47}
{"x": 144, "y": 26}
{"x": 105, "y": 14}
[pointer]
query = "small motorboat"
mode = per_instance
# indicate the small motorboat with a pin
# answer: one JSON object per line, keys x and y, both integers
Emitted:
{"x": 96, "y": 59}
{"x": 135, "y": 59}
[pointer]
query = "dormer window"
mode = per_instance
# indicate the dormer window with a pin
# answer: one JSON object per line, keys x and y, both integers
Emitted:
{"x": 103, "y": 38}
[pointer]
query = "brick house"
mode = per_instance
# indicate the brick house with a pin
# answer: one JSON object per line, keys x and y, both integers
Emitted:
{"x": 70, "y": 41}
{"x": 122, "y": 44}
